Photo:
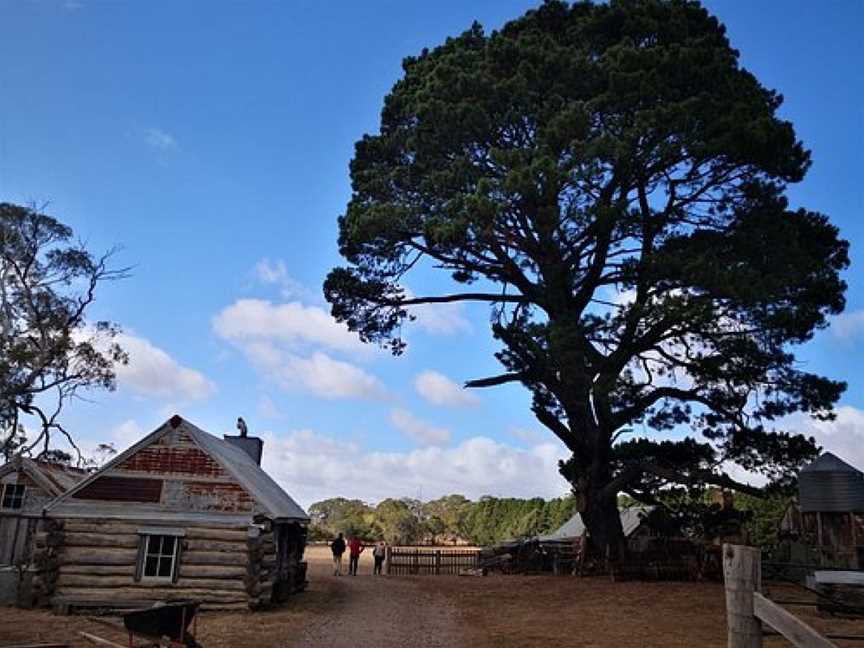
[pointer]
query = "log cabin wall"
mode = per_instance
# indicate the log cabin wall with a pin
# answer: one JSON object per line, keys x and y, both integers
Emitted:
{"x": 92, "y": 560}
{"x": 18, "y": 525}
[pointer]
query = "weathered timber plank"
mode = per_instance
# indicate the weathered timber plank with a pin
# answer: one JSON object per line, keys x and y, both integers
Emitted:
{"x": 214, "y": 558}
{"x": 787, "y": 624}
{"x": 235, "y": 534}
{"x": 211, "y": 571}
{"x": 86, "y": 594}
{"x": 120, "y": 541}
{"x": 98, "y": 556}
{"x": 107, "y": 570}
{"x": 215, "y": 545}
{"x": 104, "y": 582}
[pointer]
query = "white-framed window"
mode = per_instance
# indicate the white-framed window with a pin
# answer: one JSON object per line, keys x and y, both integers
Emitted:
{"x": 159, "y": 556}
{"x": 13, "y": 496}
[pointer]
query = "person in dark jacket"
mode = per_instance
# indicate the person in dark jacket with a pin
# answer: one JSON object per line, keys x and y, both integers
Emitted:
{"x": 338, "y": 548}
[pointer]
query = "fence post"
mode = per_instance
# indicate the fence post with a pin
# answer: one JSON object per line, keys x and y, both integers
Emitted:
{"x": 437, "y": 562}
{"x": 387, "y": 560}
{"x": 742, "y": 575}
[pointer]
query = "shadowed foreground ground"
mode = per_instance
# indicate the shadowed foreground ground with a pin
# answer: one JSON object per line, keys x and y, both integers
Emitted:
{"x": 496, "y": 611}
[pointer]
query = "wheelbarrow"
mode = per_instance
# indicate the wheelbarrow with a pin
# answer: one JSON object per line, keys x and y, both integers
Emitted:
{"x": 166, "y": 620}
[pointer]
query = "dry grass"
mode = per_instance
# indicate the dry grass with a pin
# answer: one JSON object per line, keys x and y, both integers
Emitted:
{"x": 496, "y": 611}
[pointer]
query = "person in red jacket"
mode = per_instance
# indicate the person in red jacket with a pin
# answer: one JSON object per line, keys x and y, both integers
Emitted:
{"x": 355, "y": 548}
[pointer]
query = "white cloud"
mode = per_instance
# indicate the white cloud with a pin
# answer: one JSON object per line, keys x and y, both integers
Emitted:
{"x": 439, "y": 319}
{"x": 417, "y": 429}
{"x": 526, "y": 435}
{"x": 844, "y": 436}
{"x": 312, "y": 467}
{"x": 848, "y": 326}
{"x": 276, "y": 273}
{"x": 284, "y": 341}
{"x": 329, "y": 378}
{"x": 159, "y": 140}
{"x": 438, "y": 389}
{"x": 292, "y": 323}
{"x": 267, "y": 408}
{"x": 126, "y": 434}
{"x": 153, "y": 372}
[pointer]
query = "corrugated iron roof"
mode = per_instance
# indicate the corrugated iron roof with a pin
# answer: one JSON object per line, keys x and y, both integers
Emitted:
{"x": 267, "y": 493}
{"x": 53, "y": 477}
{"x": 829, "y": 462}
{"x": 631, "y": 518}
{"x": 249, "y": 475}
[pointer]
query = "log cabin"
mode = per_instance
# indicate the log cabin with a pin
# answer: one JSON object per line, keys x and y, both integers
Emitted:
{"x": 181, "y": 515}
{"x": 26, "y": 487}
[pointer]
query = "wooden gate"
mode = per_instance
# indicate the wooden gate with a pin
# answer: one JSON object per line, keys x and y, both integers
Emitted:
{"x": 416, "y": 561}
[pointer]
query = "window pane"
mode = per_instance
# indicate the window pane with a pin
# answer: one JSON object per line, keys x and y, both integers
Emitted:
{"x": 165, "y": 567}
{"x": 167, "y": 545}
{"x": 151, "y": 566}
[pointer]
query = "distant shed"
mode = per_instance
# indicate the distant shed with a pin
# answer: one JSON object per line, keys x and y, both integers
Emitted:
{"x": 829, "y": 514}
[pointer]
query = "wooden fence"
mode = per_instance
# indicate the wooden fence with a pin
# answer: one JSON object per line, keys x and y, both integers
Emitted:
{"x": 747, "y": 608}
{"x": 414, "y": 561}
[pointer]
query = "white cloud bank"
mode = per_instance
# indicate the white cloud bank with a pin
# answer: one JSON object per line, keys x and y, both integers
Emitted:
{"x": 292, "y": 323}
{"x": 438, "y": 389}
{"x": 844, "y": 436}
{"x": 284, "y": 341}
{"x": 848, "y": 326}
{"x": 153, "y": 372}
{"x": 312, "y": 467}
{"x": 417, "y": 429}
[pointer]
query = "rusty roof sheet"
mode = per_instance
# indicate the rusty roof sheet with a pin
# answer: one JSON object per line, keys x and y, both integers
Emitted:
{"x": 249, "y": 474}
{"x": 275, "y": 502}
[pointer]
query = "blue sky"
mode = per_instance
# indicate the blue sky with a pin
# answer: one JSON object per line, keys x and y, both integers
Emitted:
{"x": 212, "y": 140}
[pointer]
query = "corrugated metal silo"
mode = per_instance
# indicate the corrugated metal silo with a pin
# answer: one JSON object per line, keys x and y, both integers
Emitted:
{"x": 830, "y": 485}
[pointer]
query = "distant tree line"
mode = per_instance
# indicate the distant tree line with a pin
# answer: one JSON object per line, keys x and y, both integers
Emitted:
{"x": 455, "y": 519}
{"x": 448, "y": 520}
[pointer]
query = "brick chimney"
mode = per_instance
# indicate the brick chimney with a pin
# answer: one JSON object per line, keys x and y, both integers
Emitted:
{"x": 252, "y": 446}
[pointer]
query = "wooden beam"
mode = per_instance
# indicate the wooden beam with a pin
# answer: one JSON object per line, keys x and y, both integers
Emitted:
{"x": 787, "y": 624}
{"x": 742, "y": 573}
{"x": 99, "y": 641}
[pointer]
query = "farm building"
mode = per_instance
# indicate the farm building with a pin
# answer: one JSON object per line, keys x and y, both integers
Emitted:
{"x": 26, "y": 486}
{"x": 180, "y": 515}
{"x": 827, "y": 521}
{"x": 632, "y": 521}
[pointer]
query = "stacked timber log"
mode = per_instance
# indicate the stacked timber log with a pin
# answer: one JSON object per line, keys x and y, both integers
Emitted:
{"x": 98, "y": 565}
{"x": 47, "y": 548}
{"x": 261, "y": 566}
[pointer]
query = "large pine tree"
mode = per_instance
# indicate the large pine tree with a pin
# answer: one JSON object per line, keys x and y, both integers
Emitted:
{"x": 611, "y": 181}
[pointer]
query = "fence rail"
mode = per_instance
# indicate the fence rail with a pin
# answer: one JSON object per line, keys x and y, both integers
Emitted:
{"x": 430, "y": 562}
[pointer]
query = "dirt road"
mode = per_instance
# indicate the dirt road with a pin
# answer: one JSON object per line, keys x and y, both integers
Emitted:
{"x": 371, "y": 611}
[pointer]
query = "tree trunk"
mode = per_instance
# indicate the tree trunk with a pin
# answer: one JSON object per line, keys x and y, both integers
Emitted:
{"x": 603, "y": 521}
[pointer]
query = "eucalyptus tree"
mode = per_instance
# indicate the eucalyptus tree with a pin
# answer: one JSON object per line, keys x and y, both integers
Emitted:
{"x": 49, "y": 351}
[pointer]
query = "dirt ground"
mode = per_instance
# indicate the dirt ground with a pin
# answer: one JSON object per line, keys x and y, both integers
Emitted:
{"x": 431, "y": 612}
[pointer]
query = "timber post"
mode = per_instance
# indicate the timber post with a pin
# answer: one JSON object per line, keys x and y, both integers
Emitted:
{"x": 387, "y": 560}
{"x": 742, "y": 575}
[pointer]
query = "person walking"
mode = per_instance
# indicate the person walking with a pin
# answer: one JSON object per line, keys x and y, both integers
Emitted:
{"x": 379, "y": 553}
{"x": 355, "y": 548}
{"x": 338, "y": 548}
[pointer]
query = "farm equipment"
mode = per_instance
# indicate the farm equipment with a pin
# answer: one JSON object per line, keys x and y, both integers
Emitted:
{"x": 169, "y": 621}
